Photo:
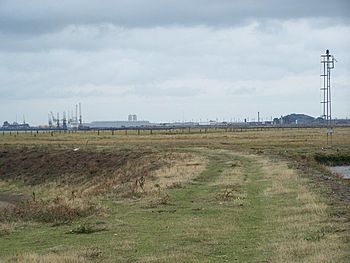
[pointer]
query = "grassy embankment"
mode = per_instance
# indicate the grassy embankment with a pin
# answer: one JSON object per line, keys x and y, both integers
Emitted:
{"x": 216, "y": 197}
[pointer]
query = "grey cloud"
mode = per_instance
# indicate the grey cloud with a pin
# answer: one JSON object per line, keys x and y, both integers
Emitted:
{"x": 210, "y": 58}
{"x": 163, "y": 90}
{"x": 40, "y": 16}
{"x": 147, "y": 59}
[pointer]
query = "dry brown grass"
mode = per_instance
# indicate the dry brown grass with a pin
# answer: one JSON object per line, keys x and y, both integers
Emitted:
{"x": 305, "y": 229}
{"x": 232, "y": 175}
{"x": 49, "y": 258}
{"x": 175, "y": 256}
{"x": 125, "y": 244}
{"x": 59, "y": 255}
{"x": 181, "y": 169}
{"x": 7, "y": 228}
{"x": 301, "y": 230}
{"x": 63, "y": 200}
{"x": 55, "y": 211}
{"x": 325, "y": 250}
{"x": 283, "y": 177}
{"x": 271, "y": 139}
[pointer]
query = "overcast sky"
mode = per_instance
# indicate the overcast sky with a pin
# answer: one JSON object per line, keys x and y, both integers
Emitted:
{"x": 166, "y": 60}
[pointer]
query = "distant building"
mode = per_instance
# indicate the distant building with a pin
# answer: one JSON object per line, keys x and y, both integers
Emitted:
{"x": 116, "y": 124}
{"x": 15, "y": 126}
{"x": 132, "y": 117}
{"x": 276, "y": 121}
{"x": 320, "y": 120}
{"x": 297, "y": 119}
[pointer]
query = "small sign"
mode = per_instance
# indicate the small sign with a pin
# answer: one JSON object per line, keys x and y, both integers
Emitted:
{"x": 330, "y": 130}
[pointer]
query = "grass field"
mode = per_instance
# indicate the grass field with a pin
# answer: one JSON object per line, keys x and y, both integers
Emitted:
{"x": 220, "y": 196}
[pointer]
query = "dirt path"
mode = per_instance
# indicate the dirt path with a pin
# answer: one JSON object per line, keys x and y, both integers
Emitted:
{"x": 241, "y": 208}
{"x": 281, "y": 218}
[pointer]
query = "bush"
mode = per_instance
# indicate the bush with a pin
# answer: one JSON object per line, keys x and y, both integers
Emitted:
{"x": 86, "y": 229}
{"x": 333, "y": 160}
{"x": 82, "y": 229}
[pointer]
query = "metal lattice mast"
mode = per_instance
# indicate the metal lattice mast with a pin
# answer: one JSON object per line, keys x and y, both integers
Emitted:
{"x": 327, "y": 62}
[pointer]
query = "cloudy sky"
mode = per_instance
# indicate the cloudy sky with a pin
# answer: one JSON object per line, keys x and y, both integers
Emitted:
{"x": 169, "y": 60}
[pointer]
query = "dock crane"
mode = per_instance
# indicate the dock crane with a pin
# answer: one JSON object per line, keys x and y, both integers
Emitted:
{"x": 69, "y": 121}
{"x": 56, "y": 120}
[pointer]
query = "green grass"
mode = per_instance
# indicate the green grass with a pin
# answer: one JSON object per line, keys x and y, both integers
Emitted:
{"x": 243, "y": 207}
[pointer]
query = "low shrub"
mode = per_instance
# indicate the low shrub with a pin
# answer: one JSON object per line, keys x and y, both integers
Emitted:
{"x": 85, "y": 228}
{"x": 332, "y": 160}
{"x": 82, "y": 229}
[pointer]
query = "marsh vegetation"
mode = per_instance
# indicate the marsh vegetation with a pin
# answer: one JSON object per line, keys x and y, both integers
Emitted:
{"x": 251, "y": 196}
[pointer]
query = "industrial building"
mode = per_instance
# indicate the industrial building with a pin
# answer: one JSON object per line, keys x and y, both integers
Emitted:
{"x": 132, "y": 122}
{"x": 116, "y": 124}
{"x": 15, "y": 126}
{"x": 295, "y": 118}
{"x": 132, "y": 117}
